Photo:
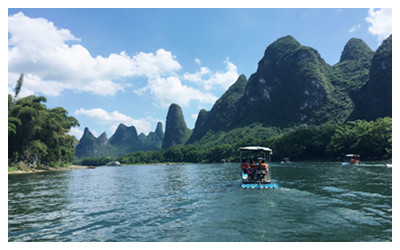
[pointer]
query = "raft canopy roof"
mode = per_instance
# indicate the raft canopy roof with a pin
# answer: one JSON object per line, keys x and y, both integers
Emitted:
{"x": 352, "y": 155}
{"x": 255, "y": 148}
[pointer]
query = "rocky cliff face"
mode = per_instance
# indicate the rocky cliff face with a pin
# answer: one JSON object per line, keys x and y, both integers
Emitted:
{"x": 289, "y": 87}
{"x": 356, "y": 50}
{"x": 222, "y": 113}
{"x": 91, "y": 146}
{"x": 352, "y": 71}
{"x": 153, "y": 141}
{"x": 159, "y": 132}
{"x": 375, "y": 98}
{"x": 176, "y": 131}
{"x": 293, "y": 85}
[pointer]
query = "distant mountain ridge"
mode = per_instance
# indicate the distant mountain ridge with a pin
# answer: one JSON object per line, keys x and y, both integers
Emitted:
{"x": 153, "y": 141}
{"x": 90, "y": 146}
{"x": 293, "y": 85}
{"x": 125, "y": 140}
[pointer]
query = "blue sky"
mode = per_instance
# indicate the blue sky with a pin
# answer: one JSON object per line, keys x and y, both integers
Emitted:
{"x": 111, "y": 66}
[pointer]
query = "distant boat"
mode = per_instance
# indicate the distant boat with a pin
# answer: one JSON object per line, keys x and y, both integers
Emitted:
{"x": 285, "y": 160}
{"x": 114, "y": 164}
{"x": 351, "y": 159}
{"x": 389, "y": 165}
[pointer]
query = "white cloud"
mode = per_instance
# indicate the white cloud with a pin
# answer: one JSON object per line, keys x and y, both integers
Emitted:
{"x": 27, "y": 34}
{"x": 167, "y": 89}
{"x": 197, "y": 61}
{"x": 53, "y": 61}
{"x": 148, "y": 64}
{"x": 194, "y": 116}
{"x": 113, "y": 119}
{"x": 210, "y": 80}
{"x": 101, "y": 87}
{"x": 171, "y": 90}
{"x": 380, "y": 23}
{"x": 354, "y": 28}
{"x": 76, "y": 132}
{"x": 141, "y": 91}
{"x": 197, "y": 77}
{"x": 40, "y": 49}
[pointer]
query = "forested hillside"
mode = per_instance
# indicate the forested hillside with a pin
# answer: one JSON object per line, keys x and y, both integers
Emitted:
{"x": 293, "y": 86}
{"x": 373, "y": 140}
{"x": 37, "y": 136}
{"x": 295, "y": 103}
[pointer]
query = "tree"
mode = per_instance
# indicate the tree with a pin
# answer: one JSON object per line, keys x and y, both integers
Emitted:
{"x": 372, "y": 140}
{"x": 37, "y": 135}
{"x": 18, "y": 87}
{"x": 174, "y": 154}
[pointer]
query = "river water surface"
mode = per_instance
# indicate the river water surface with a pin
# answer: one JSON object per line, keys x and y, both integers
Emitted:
{"x": 202, "y": 203}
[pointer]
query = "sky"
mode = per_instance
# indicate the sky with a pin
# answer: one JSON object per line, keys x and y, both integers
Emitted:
{"x": 110, "y": 66}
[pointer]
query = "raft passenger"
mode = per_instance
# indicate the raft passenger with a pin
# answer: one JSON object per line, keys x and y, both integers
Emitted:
{"x": 246, "y": 168}
{"x": 264, "y": 169}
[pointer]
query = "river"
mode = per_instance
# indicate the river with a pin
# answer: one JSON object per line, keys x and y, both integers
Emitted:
{"x": 315, "y": 202}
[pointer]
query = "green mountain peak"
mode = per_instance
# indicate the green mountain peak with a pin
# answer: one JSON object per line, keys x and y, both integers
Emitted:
{"x": 176, "y": 131}
{"x": 356, "y": 49}
{"x": 293, "y": 86}
{"x": 91, "y": 146}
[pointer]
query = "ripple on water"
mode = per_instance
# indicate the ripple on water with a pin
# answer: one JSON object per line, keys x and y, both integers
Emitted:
{"x": 201, "y": 202}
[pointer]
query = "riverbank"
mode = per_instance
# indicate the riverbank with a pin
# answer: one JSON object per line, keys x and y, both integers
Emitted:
{"x": 14, "y": 170}
{"x": 29, "y": 171}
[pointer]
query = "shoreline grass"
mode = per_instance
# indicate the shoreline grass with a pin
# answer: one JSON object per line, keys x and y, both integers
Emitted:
{"x": 26, "y": 170}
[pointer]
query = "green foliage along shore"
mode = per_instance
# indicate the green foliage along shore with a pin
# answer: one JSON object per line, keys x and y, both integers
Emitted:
{"x": 37, "y": 136}
{"x": 372, "y": 140}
